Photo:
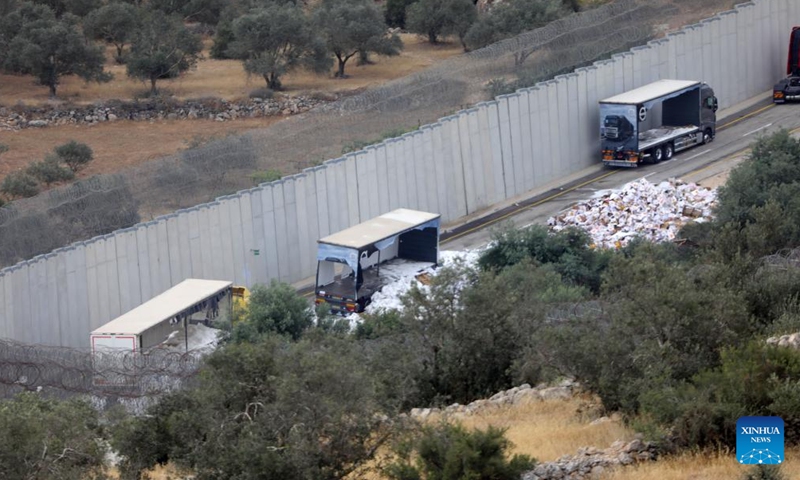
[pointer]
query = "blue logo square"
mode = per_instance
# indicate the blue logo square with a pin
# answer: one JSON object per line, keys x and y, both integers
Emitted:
{"x": 759, "y": 440}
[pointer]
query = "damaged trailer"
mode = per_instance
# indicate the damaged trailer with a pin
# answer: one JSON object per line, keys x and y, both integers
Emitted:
{"x": 349, "y": 262}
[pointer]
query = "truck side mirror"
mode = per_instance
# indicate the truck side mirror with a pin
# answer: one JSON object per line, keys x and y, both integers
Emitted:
{"x": 711, "y": 102}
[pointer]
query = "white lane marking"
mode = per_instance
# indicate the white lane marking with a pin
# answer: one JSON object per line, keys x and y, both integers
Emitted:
{"x": 757, "y": 129}
{"x": 697, "y": 155}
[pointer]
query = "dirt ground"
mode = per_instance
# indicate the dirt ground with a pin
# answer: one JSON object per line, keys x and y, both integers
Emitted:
{"x": 227, "y": 79}
{"x": 126, "y": 143}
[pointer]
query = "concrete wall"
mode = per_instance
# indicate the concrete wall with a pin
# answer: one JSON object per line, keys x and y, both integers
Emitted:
{"x": 457, "y": 166}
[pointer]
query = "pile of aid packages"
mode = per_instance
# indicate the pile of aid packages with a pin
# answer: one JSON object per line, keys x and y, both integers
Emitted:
{"x": 640, "y": 208}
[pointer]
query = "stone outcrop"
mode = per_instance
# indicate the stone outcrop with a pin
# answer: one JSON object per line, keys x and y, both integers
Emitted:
{"x": 787, "y": 341}
{"x": 515, "y": 396}
{"x": 590, "y": 463}
{"x": 20, "y": 116}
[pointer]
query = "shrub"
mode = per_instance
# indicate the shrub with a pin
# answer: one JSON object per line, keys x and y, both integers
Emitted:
{"x": 19, "y": 185}
{"x": 765, "y": 472}
{"x": 277, "y": 308}
{"x": 50, "y": 170}
{"x": 76, "y": 155}
{"x": 451, "y": 452}
{"x": 568, "y": 250}
{"x": 266, "y": 176}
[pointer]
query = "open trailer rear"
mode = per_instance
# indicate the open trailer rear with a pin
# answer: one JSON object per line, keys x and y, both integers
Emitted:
{"x": 349, "y": 262}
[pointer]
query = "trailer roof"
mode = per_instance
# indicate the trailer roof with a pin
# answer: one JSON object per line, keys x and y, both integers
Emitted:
{"x": 651, "y": 91}
{"x": 379, "y": 228}
{"x": 163, "y": 307}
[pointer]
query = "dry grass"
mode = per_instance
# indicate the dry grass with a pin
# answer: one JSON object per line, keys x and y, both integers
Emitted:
{"x": 119, "y": 144}
{"x": 226, "y": 78}
{"x": 699, "y": 466}
{"x": 550, "y": 429}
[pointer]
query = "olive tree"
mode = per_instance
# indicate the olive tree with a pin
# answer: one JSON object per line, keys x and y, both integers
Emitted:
{"x": 162, "y": 48}
{"x": 352, "y": 27}
{"x": 276, "y": 39}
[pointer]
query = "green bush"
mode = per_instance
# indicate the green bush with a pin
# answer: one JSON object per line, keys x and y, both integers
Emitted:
{"x": 50, "y": 171}
{"x": 568, "y": 250}
{"x": 451, "y": 452}
{"x": 76, "y": 155}
{"x": 765, "y": 472}
{"x": 395, "y": 13}
{"x": 266, "y": 176}
{"x": 19, "y": 185}
{"x": 278, "y": 309}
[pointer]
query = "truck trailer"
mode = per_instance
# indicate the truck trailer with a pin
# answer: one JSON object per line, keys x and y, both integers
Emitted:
{"x": 655, "y": 121}
{"x": 356, "y": 263}
{"x": 788, "y": 89}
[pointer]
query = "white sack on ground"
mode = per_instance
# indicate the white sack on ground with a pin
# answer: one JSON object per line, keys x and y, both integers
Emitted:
{"x": 640, "y": 208}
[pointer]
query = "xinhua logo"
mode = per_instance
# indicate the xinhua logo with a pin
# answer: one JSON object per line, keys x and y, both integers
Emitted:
{"x": 759, "y": 440}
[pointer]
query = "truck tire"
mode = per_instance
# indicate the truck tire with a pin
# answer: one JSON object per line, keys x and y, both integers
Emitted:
{"x": 707, "y": 138}
{"x": 668, "y": 151}
{"x": 658, "y": 155}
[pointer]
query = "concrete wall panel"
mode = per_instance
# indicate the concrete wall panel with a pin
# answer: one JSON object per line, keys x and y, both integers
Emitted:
{"x": 237, "y": 239}
{"x": 112, "y": 269}
{"x": 725, "y": 88}
{"x": 270, "y": 231}
{"x": 496, "y": 153}
{"x": 205, "y": 253}
{"x": 545, "y": 123}
{"x": 537, "y": 160}
{"x": 562, "y": 139}
{"x": 442, "y": 189}
{"x": 582, "y": 147}
{"x": 351, "y": 192}
{"x": 418, "y": 162}
{"x": 462, "y": 121}
{"x": 292, "y": 236}
{"x": 525, "y": 138}
{"x": 248, "y": 245}
{"x": 259, "y": 273}
{"x": 195, "y": 250}
{"x": 574, "y": 97}
{"x": 123, "y": 268}
{"x": 321, "y": 191}
{"x": 373, "y": 206}
{"x": 459, "y": 166}
{"x": 92, "y": 282}
{"x": 479, "y": 178}
{"x": 164, "y": 262}
{"x": 50, "y": 297}
{"x": 307, "y": 213}
{"x": 281, "y": 238}
{"x": 381, "y": 171}
{"x": 364, "y": 176}
{"x": 506, "y": 148}
{"x": 143, "y": 260}
{"x": 73, "y": 334}
{"x": 429, "y": 160}
{"x": 515, "y": 134}
{"x": 151, "y": 256}
{"x": 7, "y": 309}
{"x": 392, "y": 187}
{"x": 36, "y": 276}
{"x": 184, "y": 245}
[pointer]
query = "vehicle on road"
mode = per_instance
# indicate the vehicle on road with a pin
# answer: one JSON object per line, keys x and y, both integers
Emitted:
{"x": 788, "y": 89}
{"x": 653, "y": 122}
{"x": 349, "y": 262}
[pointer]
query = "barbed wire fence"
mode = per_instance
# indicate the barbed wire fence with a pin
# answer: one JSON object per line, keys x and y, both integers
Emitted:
{"x": 134, "y": 380}
{"x": 108, "y": 202}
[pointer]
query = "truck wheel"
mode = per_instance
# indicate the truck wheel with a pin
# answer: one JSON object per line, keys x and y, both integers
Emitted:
{"x": 658, "y": 155}
{"x": 707, "y": 138}
{"x": 668, "y": 151}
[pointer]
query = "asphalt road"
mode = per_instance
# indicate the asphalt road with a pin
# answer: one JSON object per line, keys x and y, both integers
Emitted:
{"x": 731, "y": 145}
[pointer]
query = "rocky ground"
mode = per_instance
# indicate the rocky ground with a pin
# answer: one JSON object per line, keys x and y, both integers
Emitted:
{"x": 19, "y": 117}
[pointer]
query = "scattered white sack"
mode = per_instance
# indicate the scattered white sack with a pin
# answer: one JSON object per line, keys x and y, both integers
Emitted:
{"x": 655, "y": 212}
{"x": 389, "y": 296}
